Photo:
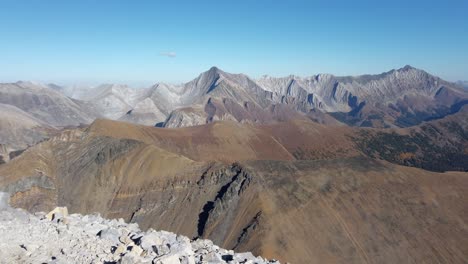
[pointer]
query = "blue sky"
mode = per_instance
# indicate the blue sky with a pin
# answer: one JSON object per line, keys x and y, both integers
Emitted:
{"x": 142, "y": 42}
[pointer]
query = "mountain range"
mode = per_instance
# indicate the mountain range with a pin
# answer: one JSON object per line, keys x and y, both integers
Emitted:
{"x": 319, "y": 169}
{"x": 398, "y": 98}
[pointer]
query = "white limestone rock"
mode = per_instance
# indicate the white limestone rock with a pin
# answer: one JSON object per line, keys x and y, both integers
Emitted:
{"x": 57, "y": 213}
{"x": 28, "y": 238}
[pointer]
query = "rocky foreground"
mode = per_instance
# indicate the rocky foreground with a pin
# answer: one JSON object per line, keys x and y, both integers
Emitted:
{"x": 61, "y": 238}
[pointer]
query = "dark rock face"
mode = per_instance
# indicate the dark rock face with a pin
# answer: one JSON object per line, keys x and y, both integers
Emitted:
{"x": 222, "y": 208}
{"x": 35, "y": 193}
{"x": 40, "y": 180}
{"x": 249, "y": 230}
{"x": 15, "y": 153}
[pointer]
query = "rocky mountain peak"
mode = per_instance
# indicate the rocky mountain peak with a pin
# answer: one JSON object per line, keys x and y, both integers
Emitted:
{"x": 207, "y": 81}
{"x": 31, "y": 85}
{"x": 215, "y": 69}
{"x": 408, "y": 67}
{"x": 411, "y": 72}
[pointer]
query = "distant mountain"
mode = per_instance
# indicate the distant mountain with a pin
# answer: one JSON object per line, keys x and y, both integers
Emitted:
{"x": 113, "y": 100}
{"x": 463, "y": 84}
{"x": 45, "y": 104}
{"x": 145, "y": 112}
{"x": 17, "y": 127}
{"x": 19, "y": 130}
{"x": 402, "y": 97}
{"x": 31, "y": 112}
{"x": 397, "y": 98}
{"x": 213, "y": 95}
{"x": 72, "y": 91}
{"x": 217, "y": 95}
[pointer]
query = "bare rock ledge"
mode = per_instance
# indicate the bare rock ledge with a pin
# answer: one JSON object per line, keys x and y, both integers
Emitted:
{"x": 57, "y": 237}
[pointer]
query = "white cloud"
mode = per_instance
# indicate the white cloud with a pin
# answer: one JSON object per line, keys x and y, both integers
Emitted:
{"x": 168, "y": 54}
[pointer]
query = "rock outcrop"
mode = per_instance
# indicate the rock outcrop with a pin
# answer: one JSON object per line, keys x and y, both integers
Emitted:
{"x": 61, "y": 238}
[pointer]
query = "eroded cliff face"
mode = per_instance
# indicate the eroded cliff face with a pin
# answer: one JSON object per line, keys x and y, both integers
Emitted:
{"x": 204, "y": 201}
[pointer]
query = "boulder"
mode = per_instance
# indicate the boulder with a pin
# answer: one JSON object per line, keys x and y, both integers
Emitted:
{"x": 187, "y": 260}
{"x": 28, "y": 238}
{"x": 120, "y": 249}
{"x": 125, "y": 239}
{"x": 110, "y": 234}
{"x": 57, "y": 213}
{"x": 4, "y": 197}
{"x": 161, "y": 249}
{"x": 161, "y": 243}
{"x": 201, "y": 244}
{"x": 136, "y": 250}
{"x": 244, "y": 257}
{"x": 151, "y": 240}
{"x": 169, "y": 259}
{"x": 212, "y": 257}
{"x": 129, "y": 259}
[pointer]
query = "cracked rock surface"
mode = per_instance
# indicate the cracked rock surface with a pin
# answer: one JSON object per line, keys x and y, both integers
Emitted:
{"x": 61, "y": 238}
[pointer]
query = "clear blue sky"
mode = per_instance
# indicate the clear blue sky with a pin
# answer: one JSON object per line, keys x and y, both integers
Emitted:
{"x": 129, "y": 41}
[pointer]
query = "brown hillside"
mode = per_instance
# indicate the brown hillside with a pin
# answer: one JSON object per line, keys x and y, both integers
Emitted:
{"x": 244, "y": 187}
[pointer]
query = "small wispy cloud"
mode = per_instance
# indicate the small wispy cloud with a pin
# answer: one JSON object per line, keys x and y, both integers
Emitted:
{"x": 168, "y": 54}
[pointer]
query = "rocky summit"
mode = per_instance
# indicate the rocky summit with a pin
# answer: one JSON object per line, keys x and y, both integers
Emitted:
{"x": 57, "y": 237}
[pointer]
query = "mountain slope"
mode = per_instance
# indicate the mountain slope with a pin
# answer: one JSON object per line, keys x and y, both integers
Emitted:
{"x": 333, "y": 206}
{"x": 225, "y": 142}
{"x": 214, "y": 84}
{"x": 437, "y": 145}
{"x": 45, "y": 104}
{"x": 113, "y": 100}
{"x": 19, "y": 130}
{"x": 144, "y": 112}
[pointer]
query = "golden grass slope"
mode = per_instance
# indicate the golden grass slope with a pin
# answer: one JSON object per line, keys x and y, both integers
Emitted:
{"x": 219, "y": 141}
